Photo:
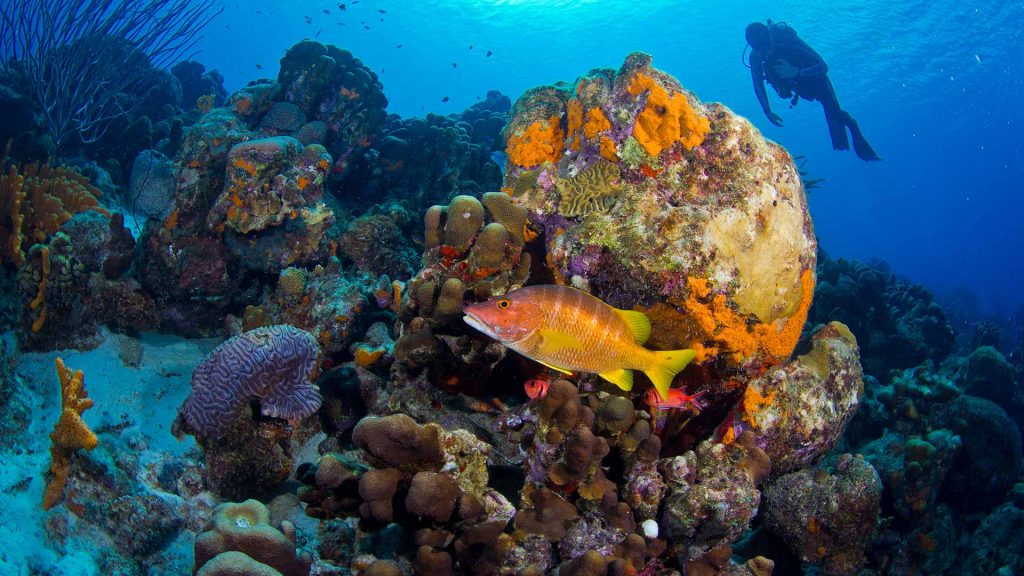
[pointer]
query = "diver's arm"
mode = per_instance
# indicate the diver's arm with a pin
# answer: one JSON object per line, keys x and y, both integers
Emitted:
{"x": 757, "y": 75}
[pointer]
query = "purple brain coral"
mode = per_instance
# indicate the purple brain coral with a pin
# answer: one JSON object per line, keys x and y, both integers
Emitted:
{"x": 272, "y": 363}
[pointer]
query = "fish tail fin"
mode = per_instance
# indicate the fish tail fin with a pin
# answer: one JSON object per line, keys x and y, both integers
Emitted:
{"x": 664, "y": 367}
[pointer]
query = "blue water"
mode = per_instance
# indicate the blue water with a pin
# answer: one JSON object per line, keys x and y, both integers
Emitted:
{"x": 936, "y": 86}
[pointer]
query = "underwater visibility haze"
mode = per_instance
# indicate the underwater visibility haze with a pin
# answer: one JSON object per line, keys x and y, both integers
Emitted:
{"x": 511, "y": 287}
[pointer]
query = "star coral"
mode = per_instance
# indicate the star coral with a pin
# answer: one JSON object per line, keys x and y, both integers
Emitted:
{"x": 665, "y": 119}
{"x": 541, "y": 142}
{"x": 69, "y": 434}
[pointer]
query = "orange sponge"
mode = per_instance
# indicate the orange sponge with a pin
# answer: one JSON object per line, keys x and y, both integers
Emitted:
{"x": 541, "y": 142}
{"x": 665, "y": 119}
{"x": 69, "y": 434}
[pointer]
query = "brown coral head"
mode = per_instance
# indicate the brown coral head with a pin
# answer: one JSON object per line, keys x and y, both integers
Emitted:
{"x": 245, "y": 528}
{"x": 432, "y": 495}
{"x": 398, "y": 441}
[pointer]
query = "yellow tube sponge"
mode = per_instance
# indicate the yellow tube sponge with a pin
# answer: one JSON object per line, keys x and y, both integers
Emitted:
{"x": 69, "y": 434}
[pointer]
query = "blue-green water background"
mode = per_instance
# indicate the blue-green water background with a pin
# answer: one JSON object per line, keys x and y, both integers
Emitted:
{"x": 937, "y": 86}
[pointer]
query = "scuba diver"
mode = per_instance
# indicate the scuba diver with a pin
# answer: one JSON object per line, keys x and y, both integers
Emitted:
{"x": 796, "y": 71}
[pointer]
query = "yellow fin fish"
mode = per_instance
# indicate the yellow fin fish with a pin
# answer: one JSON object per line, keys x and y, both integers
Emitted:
{"x": 571, "y": 331}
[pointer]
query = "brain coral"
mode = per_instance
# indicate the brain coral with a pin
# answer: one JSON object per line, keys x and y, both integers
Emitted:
{"x": 273, "y": 363}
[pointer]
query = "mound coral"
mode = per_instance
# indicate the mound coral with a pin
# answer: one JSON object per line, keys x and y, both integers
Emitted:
{"x": 274, "y": 364}
{"x": 659, "y": 201}
{"x": 239, "y": 539}
{"x": 69, "y": 434}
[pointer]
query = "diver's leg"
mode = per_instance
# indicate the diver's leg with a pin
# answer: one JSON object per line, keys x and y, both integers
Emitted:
{"x": 860, "y": 144}
{"x": 823, "y": 92}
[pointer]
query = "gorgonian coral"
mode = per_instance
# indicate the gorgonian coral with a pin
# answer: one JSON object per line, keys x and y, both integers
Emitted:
{"x": 272, "y": 363}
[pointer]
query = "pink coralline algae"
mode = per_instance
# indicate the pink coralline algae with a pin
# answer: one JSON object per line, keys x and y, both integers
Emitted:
{"x": 273, "y": 363}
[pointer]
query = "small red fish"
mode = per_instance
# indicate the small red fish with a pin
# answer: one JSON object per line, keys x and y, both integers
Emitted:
{"x": 536, "y": 388}
{"x": 677, "y": 398}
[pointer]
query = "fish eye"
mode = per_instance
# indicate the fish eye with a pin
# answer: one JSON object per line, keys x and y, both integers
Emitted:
{"x": 504, "y": 303}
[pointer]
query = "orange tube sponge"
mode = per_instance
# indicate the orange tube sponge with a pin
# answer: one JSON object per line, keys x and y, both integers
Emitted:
{"x": 69, "y": 434}
{"x": 541, "y": 142}
{"x": 665, "y": 119}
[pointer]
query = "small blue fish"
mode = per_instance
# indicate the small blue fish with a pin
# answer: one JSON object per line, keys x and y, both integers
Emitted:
{"x": 499, "y": 158}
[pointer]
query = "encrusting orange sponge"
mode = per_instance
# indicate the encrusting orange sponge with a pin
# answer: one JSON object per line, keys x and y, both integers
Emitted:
{"x": 665, "y": 119}
{"x": 722, "y": 324}
{"x": 69, "y": 434}
{"x": 541, "y": 142}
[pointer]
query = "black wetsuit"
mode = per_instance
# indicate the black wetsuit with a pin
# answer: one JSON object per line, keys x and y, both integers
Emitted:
{"x": 810, "y": 83}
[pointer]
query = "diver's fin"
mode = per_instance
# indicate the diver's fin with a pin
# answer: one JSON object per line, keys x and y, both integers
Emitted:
{"x": 638, "y": 322}
{"x": 860, "y": 144}
{"x": 621, "y": 378}
{"x": 665, "y": 367}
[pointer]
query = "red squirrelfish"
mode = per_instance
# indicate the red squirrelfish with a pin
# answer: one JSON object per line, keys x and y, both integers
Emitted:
{"x": 571, "y": 331}
{"x": 677, "y": 398}
{"x": 536, "y": 388}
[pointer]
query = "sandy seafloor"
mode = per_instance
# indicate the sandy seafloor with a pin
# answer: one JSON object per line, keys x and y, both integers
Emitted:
{"x": 134, "y": 407}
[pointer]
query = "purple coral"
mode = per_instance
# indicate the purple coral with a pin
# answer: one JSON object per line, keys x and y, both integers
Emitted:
{"x": 273, "y": 363}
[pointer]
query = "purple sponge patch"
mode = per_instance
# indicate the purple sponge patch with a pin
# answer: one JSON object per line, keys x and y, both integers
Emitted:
{"x": 273, "y": 363}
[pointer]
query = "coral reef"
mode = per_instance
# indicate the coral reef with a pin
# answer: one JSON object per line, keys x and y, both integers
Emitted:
{"x": 424, "y": 161}
{"x": 329, "y": 85}
{"x": 897, "y": 323}
{"x": 472, "y": 247}
{"x": 37, "y": 200}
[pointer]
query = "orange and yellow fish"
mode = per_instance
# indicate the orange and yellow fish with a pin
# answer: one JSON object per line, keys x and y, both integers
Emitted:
{"x": 571, "y": 331}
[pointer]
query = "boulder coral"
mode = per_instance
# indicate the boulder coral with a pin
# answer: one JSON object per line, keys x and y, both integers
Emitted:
{"x": 269, "y": 369}
{"x": 649, "y": 198}
{"x": 798, "y": 411}
{"x": 275, "y": 364}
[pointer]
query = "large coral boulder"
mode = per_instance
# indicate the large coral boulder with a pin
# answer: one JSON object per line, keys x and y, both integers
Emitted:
{"x": 650, "y": 198}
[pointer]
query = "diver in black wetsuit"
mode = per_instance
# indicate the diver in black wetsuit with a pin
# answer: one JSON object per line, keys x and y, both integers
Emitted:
{"x": 796, "y": 71}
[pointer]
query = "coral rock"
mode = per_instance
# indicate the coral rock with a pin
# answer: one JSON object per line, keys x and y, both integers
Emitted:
{"x": 827, "y": 518}
{"x": 656, "y": 200}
